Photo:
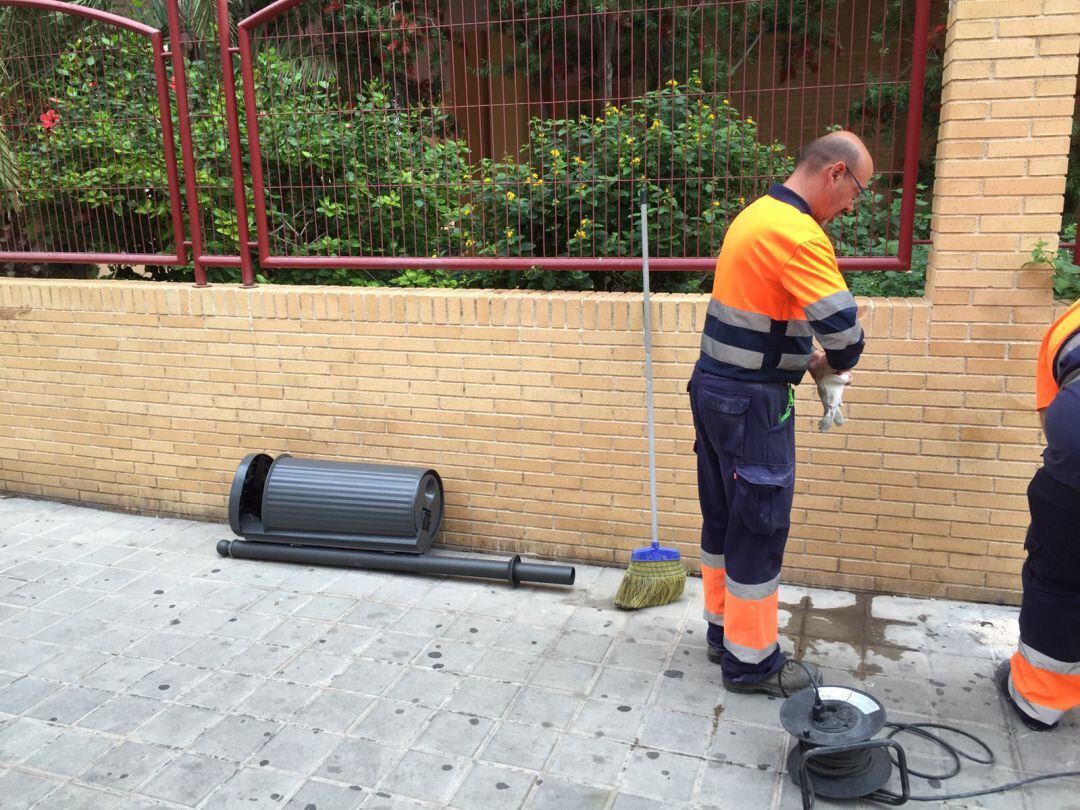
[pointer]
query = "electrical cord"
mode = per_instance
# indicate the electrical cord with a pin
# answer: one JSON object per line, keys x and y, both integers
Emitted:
{"x": 919, "y": 729}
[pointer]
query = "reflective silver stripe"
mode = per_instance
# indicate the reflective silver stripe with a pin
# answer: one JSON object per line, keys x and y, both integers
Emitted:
{"x": 748, "y": 655}
{"x": 712, "y": 560}
{"x": 799, "y": 329}
{"x": 1070, "y": 345}
{"x": 755, "y": 592}
{"x": 733, "y": 355}
{"x": 1042, "y": 713}
{"x": 841, "y": 340}
{"x": 1071, "y": 378}
{"x": 793, "y": 362}
{"x": 714, "y": 618}
{"x": 739, "y": 317}
{"x": 829, "y": 305}
{"x": 1045, "y": 662}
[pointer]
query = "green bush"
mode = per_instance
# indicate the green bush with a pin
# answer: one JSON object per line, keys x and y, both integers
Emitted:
{"x": 574, "y": 191}
{"x": 862, "y": 232}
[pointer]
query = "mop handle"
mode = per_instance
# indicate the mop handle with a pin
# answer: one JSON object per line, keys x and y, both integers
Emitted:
{"x": 648, "y": 362}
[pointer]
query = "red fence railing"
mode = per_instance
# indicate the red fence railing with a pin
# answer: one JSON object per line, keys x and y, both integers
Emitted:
{"x": 486, "y": 135}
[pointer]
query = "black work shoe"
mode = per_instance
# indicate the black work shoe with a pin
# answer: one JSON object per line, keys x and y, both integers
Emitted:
{"x": 787, "y": 680}
{"x": 714, "y": 654}
{"x": 1001, "y": 680}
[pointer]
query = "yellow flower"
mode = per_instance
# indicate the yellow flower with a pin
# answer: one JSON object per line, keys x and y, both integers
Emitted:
{"x": 585, "y": 223}
{"x": 672, "y": 83}
{"x": 726, "y": 101}
{"x": 629, "y": 138}
{"x": 742, "y": 200}
{"x": 509, "y": 233}
{"x": 578, "y": 160}
{"x": 749, "y": 120}
{"x": 487, "y": 179}
{"x": 469, "y": 242}
{"x": 555, "y": 153}
{"x": 434, "y": 255}
{"x": 581, "y": 234}
{"x": 655, "y": 124}
{"x": 715, "y": 204}
{"x": 636, "y": 161}
{"x": 712, "y": 116}
{"x": 466, "y": 210}
{"x": 511, "y": 196}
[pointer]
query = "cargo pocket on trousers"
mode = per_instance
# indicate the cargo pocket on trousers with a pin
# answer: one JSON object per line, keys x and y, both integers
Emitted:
{"x": 763, "y": 495}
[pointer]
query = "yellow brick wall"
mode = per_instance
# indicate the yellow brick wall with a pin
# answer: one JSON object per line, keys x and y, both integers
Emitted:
{"x": 531, "y": 405}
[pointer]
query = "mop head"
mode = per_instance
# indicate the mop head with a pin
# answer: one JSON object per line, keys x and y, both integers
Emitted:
{"x": 651, "y": 583}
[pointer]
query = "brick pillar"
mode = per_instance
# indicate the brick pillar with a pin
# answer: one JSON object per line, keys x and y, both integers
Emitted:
{"x": 1007, "y": 104}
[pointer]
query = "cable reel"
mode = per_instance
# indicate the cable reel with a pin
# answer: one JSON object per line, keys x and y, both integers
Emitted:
{"x": 834, "y": 755}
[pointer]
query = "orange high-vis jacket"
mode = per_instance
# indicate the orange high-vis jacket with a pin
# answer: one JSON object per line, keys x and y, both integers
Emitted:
{"x": 1059, "y": 357}
{"x": 777, "y": 285}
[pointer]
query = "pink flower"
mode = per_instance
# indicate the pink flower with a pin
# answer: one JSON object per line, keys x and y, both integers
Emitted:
{"x": 49, "y": 119}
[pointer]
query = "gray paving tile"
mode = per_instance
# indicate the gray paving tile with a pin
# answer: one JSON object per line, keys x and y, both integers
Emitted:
{"x": 24, "y": 656}
{"x": 315, "y": 668}
{"x": 424, "y": 686}
{"x": 121, "y": 715}
{"x": 581, "y": 646}
{"x": 69, "y": 704}
{"x": 253, "y": 787}
{"x": 167, "y": 680}
{"x": 277, "y": 700}
{"x": 391, "y": 722}
{"x": 598, "y": 762}
{"x": 344, "y": 640}
{"x": 177, "y": 726}
{"x": 359, "y": 762}
{"x": 544, "y": 708}
{"x": 482, "y": 696}
{"x": 661, "y": 775}
{"x": 68, "y": 753}
{"x": 492, "y": 786}
{"x": 728, "y": 787}
{"x": 624, "y": 685}
{"x": 430, "y": 777}
{"x": 680, "y": 732}
{"x": 325, "y": 607}
{"x": 333, "y": 711}
{"x": 374, "y": 614}
{"x": 522, "y": 746}
{"x": 608, "y": 719}
{"x": 127, "y": 765}
{"x": 259, "y": 659}
{"x": 752, "y": 746}
{"x": 20, "y": 737}
{"x": 21, "y": 694}
{"x": 368, "y": 676}
{"x": 569, "y": 676}
{"x": 451, "y": 656}
{"x": 189, "y": 779}
{"x": 296, "y": 749}
{"x": 80, "y": 797}
{"x": 554, "y": 793}
{"x": 506, "y": 666}
{"x": 235, "y": 737}
{"x": 223, "y": 691}
{"x": 314, "y": 795}
{"x": 27, "y": 623}
{"x": 209, "y": 652}
{"x": 22, "y": 789}
{"x": 398, "y": 647}
{"x": 455, "y": 734}
{"x": 71, "y": 666}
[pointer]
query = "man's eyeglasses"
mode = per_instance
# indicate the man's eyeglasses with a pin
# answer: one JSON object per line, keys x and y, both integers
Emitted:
{"x": 855, "y": 180}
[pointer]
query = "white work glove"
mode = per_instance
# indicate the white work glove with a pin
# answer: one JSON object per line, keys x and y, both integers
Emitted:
{"x": 831, "y": 390}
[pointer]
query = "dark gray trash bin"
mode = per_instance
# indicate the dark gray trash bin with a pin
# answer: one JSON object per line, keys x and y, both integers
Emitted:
{"x": 336, "y": 504}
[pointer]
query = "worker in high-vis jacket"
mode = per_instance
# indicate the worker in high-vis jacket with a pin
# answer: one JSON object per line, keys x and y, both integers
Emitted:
{"x": 1042, "y": 680}
{"x": 777, "y": 287}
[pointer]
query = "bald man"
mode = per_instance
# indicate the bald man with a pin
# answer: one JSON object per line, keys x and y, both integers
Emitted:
{"x": 777, "y": 287}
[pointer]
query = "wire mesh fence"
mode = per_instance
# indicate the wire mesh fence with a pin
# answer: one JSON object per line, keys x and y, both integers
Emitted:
{"x": 474, "y": 135}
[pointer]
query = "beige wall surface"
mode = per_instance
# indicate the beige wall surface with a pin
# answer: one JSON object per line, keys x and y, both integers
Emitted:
{"x": 145, "y": 396}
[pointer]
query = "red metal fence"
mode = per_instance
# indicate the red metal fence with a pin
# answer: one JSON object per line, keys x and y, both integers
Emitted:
{"x": 483, "y": 134}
